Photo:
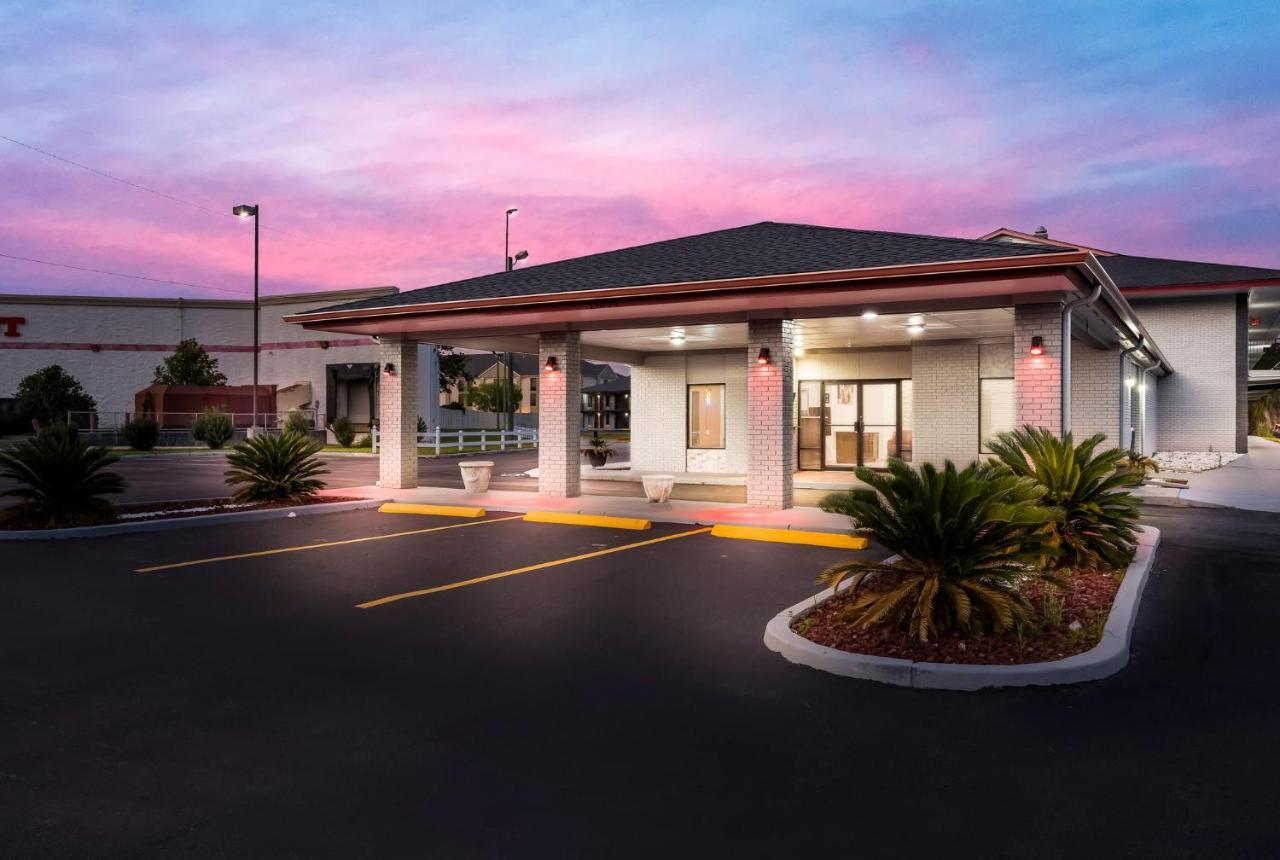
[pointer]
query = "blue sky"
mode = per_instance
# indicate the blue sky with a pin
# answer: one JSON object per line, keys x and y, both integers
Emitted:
{"x": 387, "y": 139}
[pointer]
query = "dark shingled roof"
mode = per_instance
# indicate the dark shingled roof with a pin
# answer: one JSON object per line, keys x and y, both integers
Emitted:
{"x": 613, "y": 386}
{"x": 1130, "y": 272}
{"x": 767, "y": 248}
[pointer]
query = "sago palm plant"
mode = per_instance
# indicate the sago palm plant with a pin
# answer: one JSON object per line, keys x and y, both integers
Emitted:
{"x": 1099, "y": 516}
{"x": 965, "y": 540}
{"x": 61, "y": 479}
{"x": 269, "y": 467}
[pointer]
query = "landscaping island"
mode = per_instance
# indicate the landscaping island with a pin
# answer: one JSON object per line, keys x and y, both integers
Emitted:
{"x": 1033, "y": 560}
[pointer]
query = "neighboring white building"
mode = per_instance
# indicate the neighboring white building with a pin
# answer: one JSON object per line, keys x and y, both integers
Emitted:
{"x": 113, "y": 346}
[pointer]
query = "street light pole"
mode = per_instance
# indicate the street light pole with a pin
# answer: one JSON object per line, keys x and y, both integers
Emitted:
{"x": 506, "y": 242}
{"x": 246, "y": 210}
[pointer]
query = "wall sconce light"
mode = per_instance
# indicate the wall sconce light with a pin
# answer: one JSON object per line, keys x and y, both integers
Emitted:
{"x": 389, "y": 369}
{"x": 763, "y": 356}
{"x": 551, "y": 364}
{"x": 1130, "y": 382}
{"x": 1037, "y": 345}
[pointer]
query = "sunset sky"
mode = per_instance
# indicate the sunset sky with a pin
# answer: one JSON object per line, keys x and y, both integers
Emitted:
{"x": 387, "y": 138}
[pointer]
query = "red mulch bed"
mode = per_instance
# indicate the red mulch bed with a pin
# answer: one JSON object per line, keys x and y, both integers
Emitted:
{"x": 11, "y": 520}
{"x": 1087, "y": 599}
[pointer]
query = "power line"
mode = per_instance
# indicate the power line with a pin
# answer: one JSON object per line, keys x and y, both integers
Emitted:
{"x": 120, "y": 274}
{"x": 149, "y": 190}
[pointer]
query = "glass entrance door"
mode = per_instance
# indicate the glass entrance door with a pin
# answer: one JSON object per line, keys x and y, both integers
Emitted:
{"x": 879, "y": 423}
{"x": 840, "y": 405}
{"x": 859, "y": 424}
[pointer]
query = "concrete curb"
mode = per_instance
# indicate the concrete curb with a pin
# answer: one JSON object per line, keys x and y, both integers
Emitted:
{"x": 188, "y": 522}
{"x": 1106, "y": 658}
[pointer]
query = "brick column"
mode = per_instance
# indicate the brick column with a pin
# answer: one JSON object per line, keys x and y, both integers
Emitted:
{"x": 398, "y": 415}
{"x": 560, "y": 415}
{"x": 1038, "y": 378}
{"x": 770, "y": 402}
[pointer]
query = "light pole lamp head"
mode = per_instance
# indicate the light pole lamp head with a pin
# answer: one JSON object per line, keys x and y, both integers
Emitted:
{"x": 522, "y": 255}
{"x": 244, "y": 210}
{"x": 513, "y": 210}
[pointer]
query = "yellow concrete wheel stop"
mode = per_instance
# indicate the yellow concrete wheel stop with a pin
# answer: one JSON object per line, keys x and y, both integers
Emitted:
{"x": 431, "y": 510}
{"x": 827, "y": 539}
{"x": 597, "y": 520}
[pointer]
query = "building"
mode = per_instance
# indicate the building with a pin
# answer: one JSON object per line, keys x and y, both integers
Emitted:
{"x": 490, "y": 367}
{"x": 765, "y": 349}
{"x": 113, "y": 346}
{"x": 607, "y": 405}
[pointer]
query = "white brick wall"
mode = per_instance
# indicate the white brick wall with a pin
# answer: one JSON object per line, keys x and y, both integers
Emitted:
{"x": 658, "y": 413}
{"x": 945, "y": 402}
{"x": 1203, "y": 403}
{"x": 770, "y": 422}
{"x": 1038, "y": 378}
{"x": 560, "y": 415}
{"x": 1097, "y": 389}
{"x": 398, "y": 415}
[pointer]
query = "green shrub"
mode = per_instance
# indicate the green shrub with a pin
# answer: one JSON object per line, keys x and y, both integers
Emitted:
{"x": 297, "y": 423}
{"x": 213, "y": 428}
{"x": 422, "y": 424}
{"x": 365, "y": 441}
{"x": 1098, "y": 517}
{"x": 141, "y": 432}
{"x": 61, "y": 480}
{"x": 60, "y": 429}
{"x": 280, "y": 466}
{"x": 966, "y": 539}
{"x": 343, "y": 431}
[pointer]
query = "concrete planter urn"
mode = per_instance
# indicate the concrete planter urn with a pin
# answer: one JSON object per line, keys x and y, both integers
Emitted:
{"x": 476, "y": 474}
{"x": 657, "y": 488}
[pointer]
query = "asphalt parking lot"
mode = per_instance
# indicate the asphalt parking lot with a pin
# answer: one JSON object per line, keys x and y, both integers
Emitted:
{"x": 620, "y": 703}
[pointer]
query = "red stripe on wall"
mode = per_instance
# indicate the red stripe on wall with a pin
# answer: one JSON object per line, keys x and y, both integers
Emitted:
{"x": 163, "y": 347}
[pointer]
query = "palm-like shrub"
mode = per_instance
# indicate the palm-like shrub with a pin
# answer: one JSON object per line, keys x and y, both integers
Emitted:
{"x": 297, "y": 423}
{"x": 1139, "y": 463}
{"x": 1099, "y": 517}
{"x": 965, "y": 540}
{"x": 61, "y": 480}
{"x": 275, "y": 467}
{"x": 213, "y": 427}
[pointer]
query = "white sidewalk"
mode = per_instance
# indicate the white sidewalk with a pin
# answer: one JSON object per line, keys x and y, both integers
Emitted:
{"x": 708, "y": 513}
{"x": 1251, "y": 483}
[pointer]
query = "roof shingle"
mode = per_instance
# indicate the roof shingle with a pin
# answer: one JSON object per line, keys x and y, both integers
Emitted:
{"x": 767, "y": 248}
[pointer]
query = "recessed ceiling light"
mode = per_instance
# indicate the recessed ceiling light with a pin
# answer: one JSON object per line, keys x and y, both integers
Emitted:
{"x": 677, "y": 337}
{"x": 915, "y": 319}
{"x": 870, "y": 315}
{"x": 915, "y": 329}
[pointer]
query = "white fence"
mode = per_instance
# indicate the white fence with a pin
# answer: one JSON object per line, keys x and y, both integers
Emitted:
{"x": 438, "y": 441}
{"x": 456, "y": 419}
{"x": 107, "y": 428}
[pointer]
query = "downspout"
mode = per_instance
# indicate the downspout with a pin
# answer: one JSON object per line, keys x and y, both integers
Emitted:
{"x": 1125, "y": 399}
{"x": 1066, "y": 353}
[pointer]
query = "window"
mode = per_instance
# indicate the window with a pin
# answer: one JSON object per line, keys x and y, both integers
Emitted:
{"x": 706, "y": 416}
{"x": 995, "y": 410}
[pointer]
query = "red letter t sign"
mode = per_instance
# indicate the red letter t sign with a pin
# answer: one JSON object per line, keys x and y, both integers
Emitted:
{"x": 11, "y": 325}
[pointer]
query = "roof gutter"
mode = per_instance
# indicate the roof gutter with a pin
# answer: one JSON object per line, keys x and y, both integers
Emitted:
{"x": 1124, "y": 314}
{"x": 1065, "y": 387}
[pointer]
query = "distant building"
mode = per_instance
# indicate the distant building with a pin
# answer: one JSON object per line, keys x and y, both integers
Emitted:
{"x": 487, "y": 367}
{"x": 113, "y": 345}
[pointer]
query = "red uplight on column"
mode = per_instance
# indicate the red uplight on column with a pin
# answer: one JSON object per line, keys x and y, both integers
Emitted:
{"x": 551, "y": 364}
{"x": 763, "y": 356}
{"x": 1037, "y": 345}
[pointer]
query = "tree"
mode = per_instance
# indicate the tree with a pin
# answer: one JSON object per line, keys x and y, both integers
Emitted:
{"x": 453, "y": 368}
{"x": 49, "y": 393}
{"x": 190, "y": 365}
{"x": 488, "y": 397}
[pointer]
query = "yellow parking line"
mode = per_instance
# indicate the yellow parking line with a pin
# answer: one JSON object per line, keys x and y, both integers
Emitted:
{"x": 325, "y": 545}
{"x": 452, "y": 585}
